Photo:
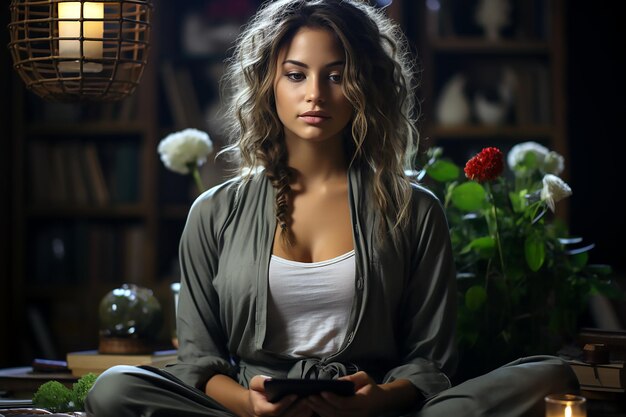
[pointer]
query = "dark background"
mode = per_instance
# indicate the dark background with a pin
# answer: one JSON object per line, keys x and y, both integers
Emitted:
{"x": 596, "y": 116}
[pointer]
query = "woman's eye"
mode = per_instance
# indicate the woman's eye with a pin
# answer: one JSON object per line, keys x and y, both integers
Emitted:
{"x": 336, "y": 78}
{"x": 295, "y": 76}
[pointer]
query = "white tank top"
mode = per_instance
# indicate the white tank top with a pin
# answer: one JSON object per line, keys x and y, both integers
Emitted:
{"x": 309, "y": 305}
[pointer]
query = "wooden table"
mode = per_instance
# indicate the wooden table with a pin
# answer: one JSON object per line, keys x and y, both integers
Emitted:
{"x": 22, "y": 382}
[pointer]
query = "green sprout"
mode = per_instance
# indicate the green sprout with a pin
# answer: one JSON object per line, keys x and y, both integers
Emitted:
{"x": 81, "y": 388}
{"x": 54, "y": 396}
{"x": 57, "y": 398}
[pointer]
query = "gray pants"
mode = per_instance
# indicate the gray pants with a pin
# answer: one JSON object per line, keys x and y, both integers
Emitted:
{"x": 516, "y": 389}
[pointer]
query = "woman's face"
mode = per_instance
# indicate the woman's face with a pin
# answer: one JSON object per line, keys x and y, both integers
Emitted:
{"x": 307, "y": 87}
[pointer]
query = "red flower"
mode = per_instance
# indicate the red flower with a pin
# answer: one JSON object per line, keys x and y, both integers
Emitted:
{"x": 485, "y": 166}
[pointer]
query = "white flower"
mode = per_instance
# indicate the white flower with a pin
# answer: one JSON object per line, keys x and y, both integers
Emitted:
{"x": 553, "y": 163}
{"x": 554, "y": 190}
{"x": 180, "y": 149}
{"x": 518, "y": 157}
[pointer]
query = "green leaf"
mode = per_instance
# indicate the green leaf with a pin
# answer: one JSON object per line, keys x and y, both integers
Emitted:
{"x": 469, "y": 196}
{"x": 443, "y": 171}
{"x": 485, "y": 246}
{"x": 518, "y": 202}
{"x": 475, "y": 297}
{"x": 579, "y": 260}
{"x": 535, "y": 252}
{"x": 539, "y": 216}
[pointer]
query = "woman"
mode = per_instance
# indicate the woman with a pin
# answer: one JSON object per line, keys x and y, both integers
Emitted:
{"x": 322, "y": 260}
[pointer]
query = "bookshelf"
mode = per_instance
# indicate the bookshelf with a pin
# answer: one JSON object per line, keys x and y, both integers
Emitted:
{"x": 84, "y": 214}
{"x": 91, "y": 205}
{"x": 521, "y": 74}
{"x": 83, "y": 210}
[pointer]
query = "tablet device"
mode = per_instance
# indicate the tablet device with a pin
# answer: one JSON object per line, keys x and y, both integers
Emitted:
{"x": 275, "y": 389}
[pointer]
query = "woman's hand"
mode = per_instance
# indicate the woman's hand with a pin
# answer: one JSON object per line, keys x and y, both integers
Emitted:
{"x": 369, "y": 399}
{"x": 289, "y": 406}
{"x": 252, "y": 402}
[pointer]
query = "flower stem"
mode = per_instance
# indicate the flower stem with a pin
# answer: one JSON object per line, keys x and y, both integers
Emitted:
{"x": 495, "y": 217}
{"x": 197, "y": 179}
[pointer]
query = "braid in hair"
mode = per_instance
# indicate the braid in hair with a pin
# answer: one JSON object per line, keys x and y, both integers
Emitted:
{"x": 280, "y": 175}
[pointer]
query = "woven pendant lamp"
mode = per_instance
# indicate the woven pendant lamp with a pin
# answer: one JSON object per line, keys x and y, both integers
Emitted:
{"x": 80, "y": 50}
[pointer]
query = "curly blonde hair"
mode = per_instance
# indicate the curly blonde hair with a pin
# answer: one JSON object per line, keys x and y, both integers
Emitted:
{"x": 378, "y": 80}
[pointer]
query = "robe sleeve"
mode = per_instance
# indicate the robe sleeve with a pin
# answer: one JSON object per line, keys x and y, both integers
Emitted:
{"x": 427, "y": 333}
{"x": 202, "y": 339}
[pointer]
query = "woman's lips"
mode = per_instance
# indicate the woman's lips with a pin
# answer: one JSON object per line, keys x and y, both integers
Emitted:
{"x": 314, "y": 117}
{"x": 314, "y": 120}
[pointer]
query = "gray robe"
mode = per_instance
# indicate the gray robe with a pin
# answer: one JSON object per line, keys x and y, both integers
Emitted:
{"x": 402, "y": 320}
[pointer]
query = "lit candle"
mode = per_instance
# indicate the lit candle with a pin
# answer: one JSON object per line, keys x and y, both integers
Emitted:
{"x": 565, "y": 405}
{"x": 70, "y": 48}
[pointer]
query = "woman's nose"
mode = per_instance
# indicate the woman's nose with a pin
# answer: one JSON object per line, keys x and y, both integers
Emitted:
{"x": 314, "y": 91}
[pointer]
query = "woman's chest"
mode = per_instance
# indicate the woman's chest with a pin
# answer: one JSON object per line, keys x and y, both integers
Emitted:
{"x": 320, "y": 228}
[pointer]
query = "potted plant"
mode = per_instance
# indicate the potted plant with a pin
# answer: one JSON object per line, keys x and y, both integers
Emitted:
{"x": 523, "y": 281}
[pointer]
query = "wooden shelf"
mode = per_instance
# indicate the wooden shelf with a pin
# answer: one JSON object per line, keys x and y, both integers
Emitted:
{"x": 87, "y": 128}
{"x": 67, "y": 292}
{"x": 525, "y": 66}
{"x": 122, "y": 211}
{"x": 63, "y": 292}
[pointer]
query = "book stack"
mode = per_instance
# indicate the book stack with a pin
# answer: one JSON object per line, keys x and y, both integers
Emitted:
{"x": 84, "y": 362}
{"x": 601, "y": 372}
{"x": 609, "y": 377}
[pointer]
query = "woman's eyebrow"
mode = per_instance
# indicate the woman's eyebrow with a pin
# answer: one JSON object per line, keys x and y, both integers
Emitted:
{"x": 303, "y": 65}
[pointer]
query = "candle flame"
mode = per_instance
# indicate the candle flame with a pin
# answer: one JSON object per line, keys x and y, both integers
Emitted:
{"x": 72, "y": 29}
{"x": 568, "y": 411}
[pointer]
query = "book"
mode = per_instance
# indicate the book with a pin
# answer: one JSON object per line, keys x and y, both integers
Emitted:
{"x": 174, "y": 96}
{"x": 610, "y": 377}
{"x": 132, "y": 259}
{"x": 97, "y": 186}
{"x": 83, "y": 362}
{"x": 8, "y": 404}
{"x": 23, "y": 382}
{"x": 191, "y": 105}
{"x": 59, "y": 177}
{"x": 124, "y": 173}
{"x": 78, "y": 191}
